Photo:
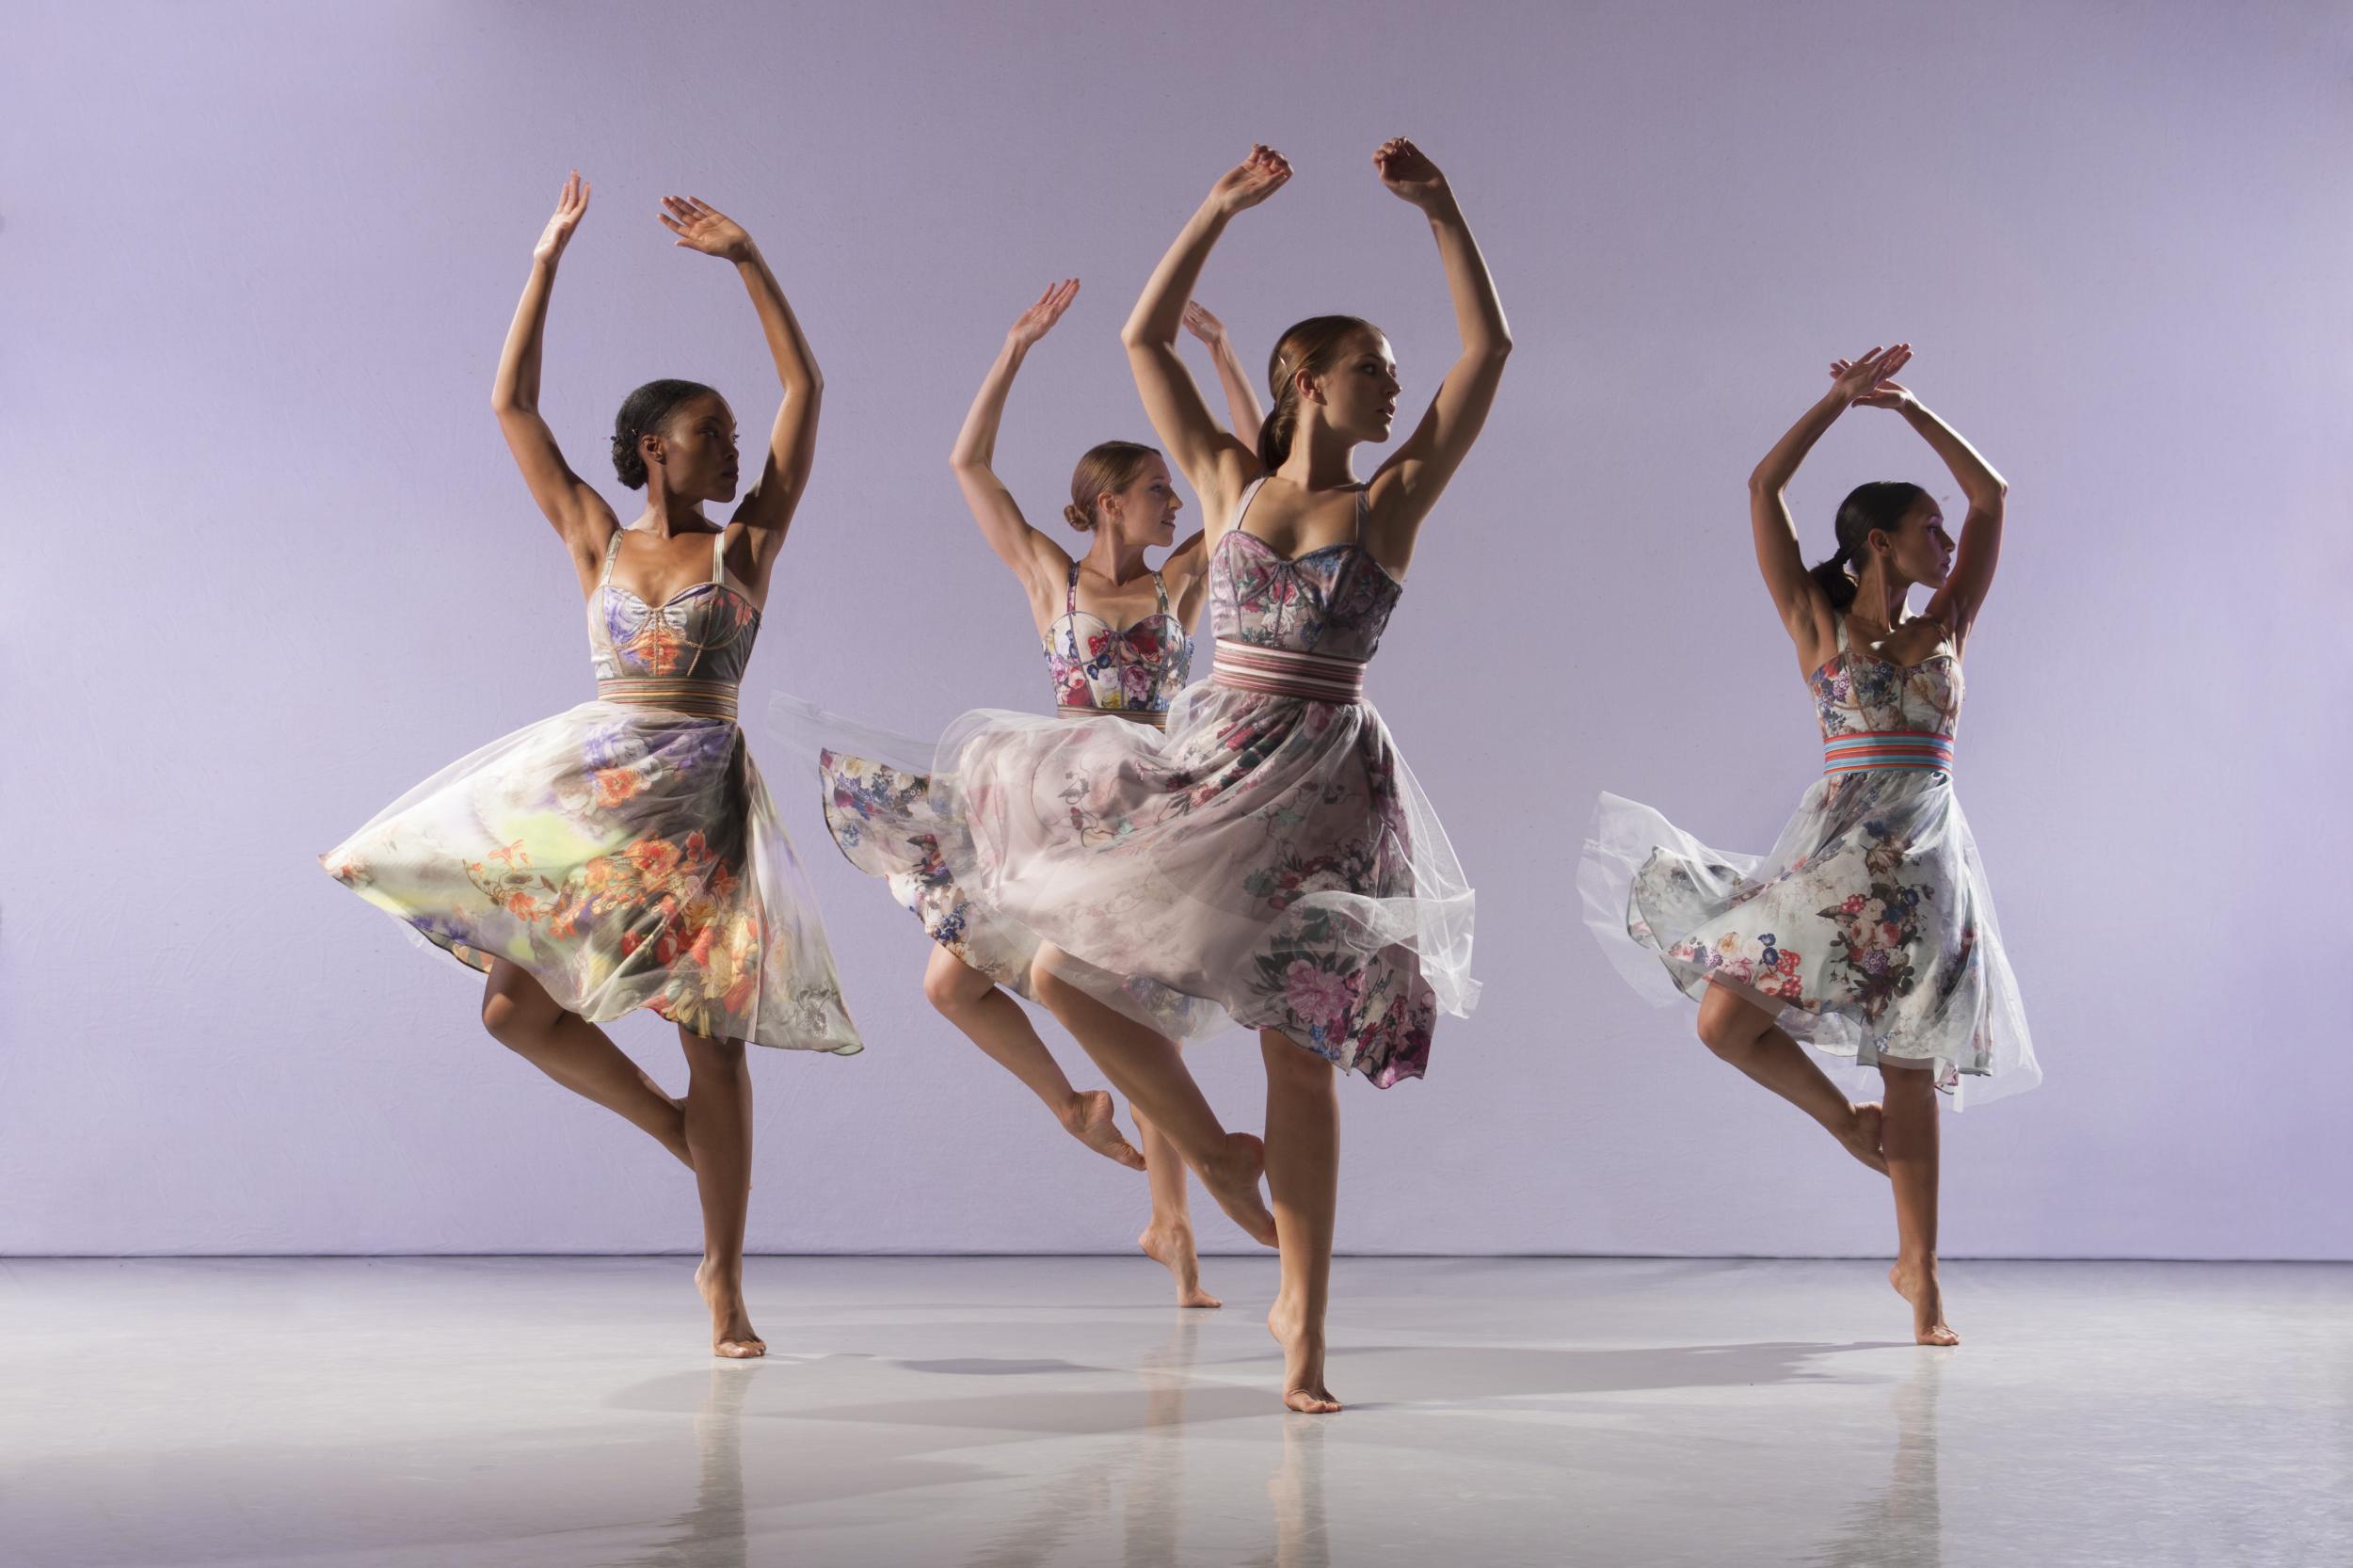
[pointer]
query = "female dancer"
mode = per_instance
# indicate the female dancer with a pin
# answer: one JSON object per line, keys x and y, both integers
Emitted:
{"x": 1868, "y": 932}
{"x": 625, "y": 853}
{"x": 1273, "y": 855}
{"x": 1114, "y": 633}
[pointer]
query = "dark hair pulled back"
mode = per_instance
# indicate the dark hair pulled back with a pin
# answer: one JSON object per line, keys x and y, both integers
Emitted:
{"x": 1880, "y": 505}
{"x": 1312, "y": 345}
{"x": 1108, "y": 466}
{"x": 643, "y": 412}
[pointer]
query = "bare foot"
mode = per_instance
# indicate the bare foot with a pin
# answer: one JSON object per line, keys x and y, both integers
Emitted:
{"x": 1172, "y": 1249}
{"x": 1232, "y": 1180}
{"x": 731, "y": 1332}
{"x": 1302, "y": 1360}
{"x": 1916, "y": 1284}
{"x": 1088, "y": 1118}
{"x": 1861, "y": 1137}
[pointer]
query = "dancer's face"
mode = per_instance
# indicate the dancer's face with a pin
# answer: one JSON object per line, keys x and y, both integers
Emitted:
{"x": 1359, "y": 392}
{"x": 698, "y": 450}
{"x": 1148, "y": 506}
{"x": 1919, "y": 549}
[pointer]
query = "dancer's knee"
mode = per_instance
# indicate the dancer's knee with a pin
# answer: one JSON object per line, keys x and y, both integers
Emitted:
{"x": 707, "y": 1057}
{"x": 1729, "y": 1026}
{"x": 515, "y": 1018}
{"x": 953, "y": 987}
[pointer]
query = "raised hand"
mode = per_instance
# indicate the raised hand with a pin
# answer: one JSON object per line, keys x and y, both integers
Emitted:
{"x": 568, "y": 208}
{"x": 1202, "y": 325}
{"x": 1859, "y": 381}
{"x": 1251, "y": 181}
{"x": 1039, "y": 319}
{"x": 700, "y": 226}
{"x": 1883, "y": 394}
{"x": 1408, "y": 172}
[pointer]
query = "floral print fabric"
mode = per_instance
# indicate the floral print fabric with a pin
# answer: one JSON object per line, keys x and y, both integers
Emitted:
{"x": 1868, "y": 929}
{"x": 624, "y": 856}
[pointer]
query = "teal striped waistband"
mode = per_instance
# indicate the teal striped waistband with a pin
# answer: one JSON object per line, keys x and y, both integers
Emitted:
{"x": 1904, "y": 751}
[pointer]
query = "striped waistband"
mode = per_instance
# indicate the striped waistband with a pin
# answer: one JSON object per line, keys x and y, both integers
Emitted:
{"x": 1157, "y": 720}
{"x": 1289, "y": 672}
{"x": 1909, "y": 750}
{"x": 708, "y": 699}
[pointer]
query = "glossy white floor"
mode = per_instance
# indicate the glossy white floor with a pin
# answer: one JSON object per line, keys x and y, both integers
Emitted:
{"x": 1014, "y": 1410}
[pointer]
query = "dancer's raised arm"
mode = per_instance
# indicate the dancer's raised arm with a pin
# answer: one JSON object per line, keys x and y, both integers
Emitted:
{"x": 1408, "y": 484}
{"x": 1242, "y": 409}
{"x": 767, "y": 509}
{"x": 1962, "y": 595}
{"x": 1214, "y": 459}
{"x": 1797, "y": 596}
{"x": 1036, "y": 560}
{"x": 581, "y": 516}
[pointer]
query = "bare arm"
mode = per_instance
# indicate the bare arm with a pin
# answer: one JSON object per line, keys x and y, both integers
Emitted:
{"x": 578, "y": 513}
{"x": 1241, "y": 401}
{"x": 1213, "y": 460}
{"x": 767, "y": 509}
{"x": 1979, "y": 549}
{"x": 1036, "y": 560}
{"x": 1803, "y": 608}
{"x": 1409, "y": 483}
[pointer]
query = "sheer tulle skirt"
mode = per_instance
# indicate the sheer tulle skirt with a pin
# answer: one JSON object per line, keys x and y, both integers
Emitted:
{"x": 1268, "y": 861}
{"x": 625, "y": 857}
{"x": 1868, "y": 930}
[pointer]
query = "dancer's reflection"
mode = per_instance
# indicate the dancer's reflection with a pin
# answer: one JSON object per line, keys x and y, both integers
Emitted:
{"x": 1296, "y": 1489}
{"x": 1139, "y": 1479}
{"x": 710, "y": 1534}
{"x": 1904, "y": 1525}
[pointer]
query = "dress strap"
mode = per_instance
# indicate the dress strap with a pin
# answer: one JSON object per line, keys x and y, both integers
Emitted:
{"x": 612, "y": 547}
{"x": 1071, "y": 592}
{"x": 720, "y": 556}
{"x": 1249, "y": 493}
{"x": 1363, "y": 505}
{"x": 1160, "y": 589}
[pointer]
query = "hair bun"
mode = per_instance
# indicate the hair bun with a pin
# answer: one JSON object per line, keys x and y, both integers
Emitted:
{"x": 1076, "y": 519}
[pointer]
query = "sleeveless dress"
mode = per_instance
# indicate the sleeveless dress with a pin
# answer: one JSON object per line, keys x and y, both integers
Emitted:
{"x": 1869, "y": 928}
{"x": 882, "y": 808}
{"x": 625, "y": 853}
{"x": 1269, "y": 857}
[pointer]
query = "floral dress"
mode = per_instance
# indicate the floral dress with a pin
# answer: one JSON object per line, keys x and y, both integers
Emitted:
{"x": 1269, "y": 857}
{"x": 1868, "y": 930}
{"x": 624, "y": 852}
{"x": 881, "y": 805}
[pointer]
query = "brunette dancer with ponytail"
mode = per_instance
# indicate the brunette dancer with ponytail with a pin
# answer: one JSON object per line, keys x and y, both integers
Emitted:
{"x": 1113, "y": 635}
{"x": 1868, "y": 932}
{"x": 1271, "y": 855}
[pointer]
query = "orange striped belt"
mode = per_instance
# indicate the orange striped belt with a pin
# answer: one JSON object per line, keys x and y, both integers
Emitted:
{"x": 708, "y": 699}
{"x": 1904, "y": 751}
{"x": 1289, "y": 672}
{"x": 1134, "y": 715}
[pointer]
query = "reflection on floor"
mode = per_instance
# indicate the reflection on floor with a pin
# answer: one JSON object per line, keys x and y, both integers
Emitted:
{"x": 1004, "y": 1412}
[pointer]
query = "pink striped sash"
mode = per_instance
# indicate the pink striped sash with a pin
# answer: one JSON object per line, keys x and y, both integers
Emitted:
{"x": 1906, "y": 750}
{"x": 709, "y": 699}
{"x": 1289, "y": 672}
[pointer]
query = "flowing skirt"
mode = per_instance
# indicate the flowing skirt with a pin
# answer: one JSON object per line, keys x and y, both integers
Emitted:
{"x": 625, "y": 857}
{"x": 1269, "y": 862}
{"x": 1868, "y": 930}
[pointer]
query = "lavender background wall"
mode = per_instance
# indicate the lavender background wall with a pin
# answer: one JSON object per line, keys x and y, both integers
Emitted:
{"x": 268, "y": 565}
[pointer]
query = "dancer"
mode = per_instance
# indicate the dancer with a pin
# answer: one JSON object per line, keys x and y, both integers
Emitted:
{"x": 625, "y": 853}
{"x": 1271, "y": 853}
{"x": 1868, "y": 932}
{"x": 1113, "y": 635}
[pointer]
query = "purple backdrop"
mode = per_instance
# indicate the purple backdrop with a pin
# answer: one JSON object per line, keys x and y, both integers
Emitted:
{"x": 271, "y": 566}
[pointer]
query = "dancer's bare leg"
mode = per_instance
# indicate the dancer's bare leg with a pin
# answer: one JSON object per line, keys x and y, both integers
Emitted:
{"x": 1743, "y": 1034}
{"x": 995, "y": 1022}
{"x": 1303, "y": 1173}
{"x": 1168, "y": 1240}
{"x": 1911, "y": 1142}
{"x": 719, "y": 1135}
{"x": 520, "y": 1016}
{"x": 1148, "y": 1069}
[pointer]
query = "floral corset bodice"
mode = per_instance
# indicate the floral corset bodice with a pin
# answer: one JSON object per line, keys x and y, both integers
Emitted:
{"x": 1334, "y": 600}
{"x": 1131, "y": 669}
{"x": 704, "y": 633}
{"x": 1862, "y": 694}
